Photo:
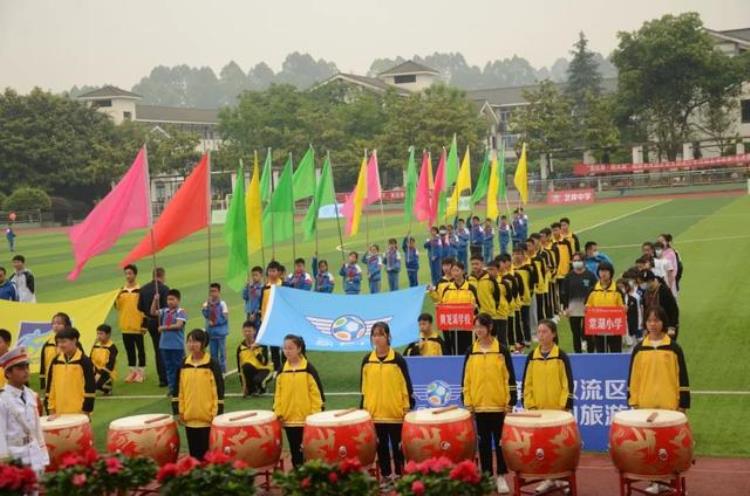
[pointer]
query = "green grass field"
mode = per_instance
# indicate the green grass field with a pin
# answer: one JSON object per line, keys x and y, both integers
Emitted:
{"x": 711, "y": 234}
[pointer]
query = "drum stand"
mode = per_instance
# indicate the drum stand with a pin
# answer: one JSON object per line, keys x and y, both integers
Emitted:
{"x": 267, "y": 473}
{"x": 675, "y": 485}
{"x": 520, "y": 481}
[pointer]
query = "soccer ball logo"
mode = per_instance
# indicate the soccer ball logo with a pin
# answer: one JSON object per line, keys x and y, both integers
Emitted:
{"x": 348, "y": 328}
{"x": 438, "y": 393}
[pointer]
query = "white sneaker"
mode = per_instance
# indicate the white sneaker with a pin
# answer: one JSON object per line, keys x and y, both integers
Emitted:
{"x": 545, "y": 486}
{"x": 584, "y": 346}
{"x": 502, "y": 485}
{"x": 654, "y": 488}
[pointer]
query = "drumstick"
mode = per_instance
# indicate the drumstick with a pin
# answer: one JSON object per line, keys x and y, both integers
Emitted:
{"x": 243, "y": 416}
{"x": 652, "y": 417}
{"x": 157, "y": 419}
{"x": 345, "y": 412}
{"x": 524, "y": 414}
{"x": 438, "y": 411}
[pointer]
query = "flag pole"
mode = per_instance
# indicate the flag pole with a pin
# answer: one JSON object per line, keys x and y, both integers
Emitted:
{"x": 364, "y": 212}
{"x": 294, "y": 242}
{"x": 411, "y": 218}
{"x": 150, "y": 220}
{"x": 336, "y": 210}
{"x": 208, "y": 194}
{"x": 273, "y": 229}
{"x": 317, "y": 208}
{"x": 262, "y": 247}
{"x": 382, "y": 209}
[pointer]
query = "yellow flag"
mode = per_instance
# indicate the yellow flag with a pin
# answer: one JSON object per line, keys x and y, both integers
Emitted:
{"x": 253, "y": 210}
{"x": 463, "y": 183}
{"x": 30, "y": 323}
{"x": 429, "y": 170}
{"x": 359, "y": 193}
{"x": 492, "y": 189}
{"x": 521, "y": 178}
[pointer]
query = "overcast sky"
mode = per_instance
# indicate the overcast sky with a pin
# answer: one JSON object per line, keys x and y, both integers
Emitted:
{"x": 58, "y": 43}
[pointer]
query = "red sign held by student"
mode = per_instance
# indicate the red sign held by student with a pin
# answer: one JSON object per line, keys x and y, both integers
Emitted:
{"x": 455, "y": 316}
{"x": 608, "y": 321}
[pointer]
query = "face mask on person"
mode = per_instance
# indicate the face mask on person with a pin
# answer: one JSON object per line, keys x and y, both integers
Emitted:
{"x": 643, "y": 285}
{"x": 577, "y": 264}
{"x": 659, "y": 252}
{"x": 595, "y": 253}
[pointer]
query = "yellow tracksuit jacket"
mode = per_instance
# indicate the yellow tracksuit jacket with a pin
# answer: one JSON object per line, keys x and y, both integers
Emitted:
{"x": 299, "y": 393}
{"x": 658, "y": 376}
{"x": 489, "y": 383}
{"x": 548, "y": 382}
{"x": 386, "y": 387}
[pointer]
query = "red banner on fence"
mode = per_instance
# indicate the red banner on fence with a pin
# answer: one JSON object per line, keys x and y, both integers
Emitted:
{"x": 700, "y": 163}
{"x": 584, "y": 195}
{"x": 610, "y": 321}
{"x": 454, "y": 316}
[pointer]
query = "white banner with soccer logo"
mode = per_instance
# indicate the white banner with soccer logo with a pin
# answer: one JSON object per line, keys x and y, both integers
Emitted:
{"x": 333, "y": 322}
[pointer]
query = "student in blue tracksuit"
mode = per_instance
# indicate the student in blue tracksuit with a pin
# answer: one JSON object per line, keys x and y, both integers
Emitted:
{"x": 411, "y": 260}
{"x": 324, "y": 281}
{"x": 300, "y": 278}
{"x": 520, "y": 227}
{"x": 216, "y": 313}
{"x": 489, "y": 241}
{"x": 393, "y": 264}
{"x": 374, "y": 262}
{"x": 462, "y": 246}
{"x": 251, "y": 294}
{"x": 476, "y": 238}
{"x": 450, "y": 241}
{"x": 504, "y": 234}
{"x": 434, "y": 247}
{"x": 352, "y": 274}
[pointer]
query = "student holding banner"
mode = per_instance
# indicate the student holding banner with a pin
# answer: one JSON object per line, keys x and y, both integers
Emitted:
{"x": 489, "y": 391}
{"x": 459, "y": 291}
{"x": 605, "y": 294}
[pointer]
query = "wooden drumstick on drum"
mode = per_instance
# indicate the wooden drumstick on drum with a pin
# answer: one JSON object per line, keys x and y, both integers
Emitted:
{"x": 438, "y": 411}
{"x": 652, "y": 417}
{"x": 157, "y": 419}
{"x": 345, "y": 412}
{"x": 243, "y": 416}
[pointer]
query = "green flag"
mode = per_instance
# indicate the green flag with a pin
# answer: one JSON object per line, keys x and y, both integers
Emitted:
{"x": 324, "y": 195}
{"x": 278, "y": 216}
{"x": 265, "y": 179}
{"x": 452, "y": 165}
{"x": 411, "y": 186}
{"x": 502, "y": 190}
{"x": 303, "y": 184}
{"x": 480, "y": 191}
{"x": 235, "y": 234}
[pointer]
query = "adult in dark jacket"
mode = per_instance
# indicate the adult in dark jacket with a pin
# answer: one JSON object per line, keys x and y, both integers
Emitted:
{"x": 145, "y": 298}
{"x": 574, "y": 291}
{"x": 656, "y": 293}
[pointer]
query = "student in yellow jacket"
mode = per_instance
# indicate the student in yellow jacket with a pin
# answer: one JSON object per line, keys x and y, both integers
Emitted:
{"x": 459, "y": 291}
{"x": 387, "y": 395}
{"x": 252, "y": 362}
{"x": 547, "y": 377}
{"x": 429, "y": 342}
{"x": 605, "y": 294}
{"x": 71, "y": 386}
{"x": 489, "y": 391}
{"x": 200, "y": 393}
{"x": 502, "y": 317}
{"x": 436, "y": 293}
{"x": 542, "y": 281}
{"x": 299, "y": 393}
{"x": 526, "y": 270}
{"x": 658, "y": 373}
{"x": 49, "y": 351}
{"x": 104, "y": 357}
{"x": 130, "y": 321}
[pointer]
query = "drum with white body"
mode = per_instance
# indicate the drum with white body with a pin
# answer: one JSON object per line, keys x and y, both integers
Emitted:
{"x": 67, "y": 433}
{"x": 651, "y": 443}
{"x": 253, "y": 436}
{"x": 541, "y": 443}
{"x": 151, "y": 435}
{"x": 439, "y": 432}
{"x": 336, "y": 435}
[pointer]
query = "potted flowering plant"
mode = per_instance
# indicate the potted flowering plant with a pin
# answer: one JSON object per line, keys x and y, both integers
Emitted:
{"x": 218, "y": 475}
{"x": 16, "y": 479}
{"x": 320, "y": 478}
{"x": 440, "y": 476}
{"x": 93, "y": 475}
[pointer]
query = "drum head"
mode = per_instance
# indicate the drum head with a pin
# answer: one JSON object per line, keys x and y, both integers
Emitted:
{"x": 546, "y": 418}
{"x": 64, "y": 421}
{"x": 329, "y": 418}
{"x": 241, "y": 418}
{"x": 140, "y": 422}
{"x": 435, "y": 416}
{"x": 639, "y": 418}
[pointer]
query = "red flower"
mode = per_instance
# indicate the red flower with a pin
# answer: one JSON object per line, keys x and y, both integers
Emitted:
{"x": 417, "y": 487}
{"x": 186, "y": 464}
{"x": 216, "y": 457}
{"x": 166, "y": 472}
{"x": 411, "y": 467}
{"x": 70, "y": 460}
{"x": 239, "y": 465}
{"x": 79, "y": 480}
{"x": 305, "y": 483}
{"x": 439, "y": 464}
{"x": 466, "y": 471}
{"x": 114, "y": 466}
{"x": 90, "y": 456}
{"x": 350, "y": 465}
{"x": 333, "y": 477}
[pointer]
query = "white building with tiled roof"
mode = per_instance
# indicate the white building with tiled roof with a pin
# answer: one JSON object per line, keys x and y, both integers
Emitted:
{"x": 406, "y": 78}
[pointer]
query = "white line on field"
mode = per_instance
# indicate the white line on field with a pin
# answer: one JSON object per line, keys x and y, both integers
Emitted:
{"x": 683, "y": 241}
{"x": 620, "y": 217}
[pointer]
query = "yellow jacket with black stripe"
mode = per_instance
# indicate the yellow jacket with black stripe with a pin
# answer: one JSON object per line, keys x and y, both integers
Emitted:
{"x": 514, "y": 301}
{"x": 432, "y": 345}
{"x": 48, "y": 353}
{"x": 658, "y": 376}
{"x": 565, "y": 253}
{"x": 200, "y": 391}
{"x": 437, "y": 293}
{"x": 299, "y": 393}
{"x": 386, "y": 387}
{"x": 505, "y": 307}
{"x": 265, "y": 297}
{"x": 489, "y": 383}
{"x": 129, "y": 318}
{"x": 460, "y": 293}
{"x": 551, "y": 256}
{"x": 542, "y": 281}
{"x": 527, "y": 273}
{"x": 255, "y": 355}
{"x": 104, "y": 357}
{"x": 488, "y": 294}
{"x": 548, "y": 382}
{"x": 71, "y": 386}
{"x": 605, "y": 297}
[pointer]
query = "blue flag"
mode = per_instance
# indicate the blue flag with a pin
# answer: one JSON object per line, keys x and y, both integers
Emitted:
{"x": 332, "y": 322}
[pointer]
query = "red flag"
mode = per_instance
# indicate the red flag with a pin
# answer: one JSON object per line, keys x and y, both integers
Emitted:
{"x": 422, "y": 207}
{"x": 438, "y": 196}
{"x": 186, "y": 213}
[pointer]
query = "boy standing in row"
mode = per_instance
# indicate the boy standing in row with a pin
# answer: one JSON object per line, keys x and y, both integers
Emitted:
{"x": 393, "y": 264}
{"x": 216, "y": 313}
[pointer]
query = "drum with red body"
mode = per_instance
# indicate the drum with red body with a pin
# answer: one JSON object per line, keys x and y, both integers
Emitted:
{"x": 337, "y": 435}
{"x": 253, "y": 436}
{"x": 151, "y": 435}
{"x": 68, "y": 433}
{"x": 541, "y": 443}
{"x": 439, "y": 432}
{"x": 651, "y": 443}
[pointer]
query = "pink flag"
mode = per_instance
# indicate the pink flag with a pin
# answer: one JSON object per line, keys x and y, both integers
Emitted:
{"x": 438, "y": 195}
{"x": 374, "y": 192}
{"x": 422, "y": 207}
{"x": 125, "y": 208}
